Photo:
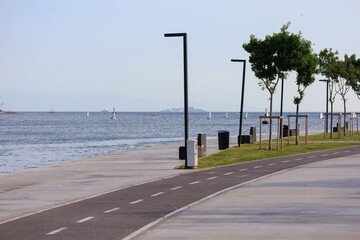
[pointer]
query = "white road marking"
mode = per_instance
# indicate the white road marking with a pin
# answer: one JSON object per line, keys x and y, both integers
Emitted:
{"x": 347, "y": 151}
{"x": 210, "y": 173}
{"x": 175, "y": 188}
{"x": 257, "y": 166}
{"x": 244, "y": 169}
{"x": 157, "y": 194}
{"x": 84, "y": 219}
{"x": 271, "y": 164}
{"x": 137, "y": 201}
{"x": 56, "y": 231}
{"x": 111, "y": 210}
{"x": 228, "y": 173}
{"x": 324, "y": 155}
{"x": 311, "y": 156}
{"x": 194, "y": 182}
{"x": 211, "y": 178}
{"x": 298, "y": 159}
{"x": 335, "y": 152}
{"x": 286, "y": 161}
{"x": 245, "y": 175}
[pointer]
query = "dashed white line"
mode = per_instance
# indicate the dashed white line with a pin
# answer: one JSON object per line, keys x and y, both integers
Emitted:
{"x": 228, "y": 173}
{"x": 298, "y": 159}
{"x": 286, "y": 161}
{"x": 244, "y": 169}
{"x": 210, "y": 178}
{"x": 323, "y": 155}
{"x": 84, "y": 219}
{"x": 194, "y": 182}
{"x": 335, "y": 152}
{"x": 245, "y": 175}
{"x": 175, "y": 188}
{"x": 210, "y": 173}
{"x": 311, "y": 156}
{"x": 112, "y": 210}
{"x": 157, "y": 194}
{"x": 347, "y": 151}
{"x": 137, "y": 201}
{"x": 56, "y": 231}
{"x": 257, "y": 166}
{"x": 271, "y": 164}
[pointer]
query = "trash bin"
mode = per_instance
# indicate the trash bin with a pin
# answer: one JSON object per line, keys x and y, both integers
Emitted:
{"x": 201, "y": 144}
{"x": 223, "y": 139}
{"x": 182, "y": 152}
{"x": 192, "y": 153}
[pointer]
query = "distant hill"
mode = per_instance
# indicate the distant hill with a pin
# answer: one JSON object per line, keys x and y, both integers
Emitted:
{"x": 191, "y": 109}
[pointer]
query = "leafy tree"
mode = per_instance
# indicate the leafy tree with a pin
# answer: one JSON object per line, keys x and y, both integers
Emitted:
{"x": 355, "y": 80}
{"x": 328, "y": 65}
{"x": 271, "y": 59}
{"x": 306, "y": 69}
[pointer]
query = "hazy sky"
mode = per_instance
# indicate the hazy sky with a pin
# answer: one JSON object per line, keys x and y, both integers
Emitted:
{"x": 84, "y": 55}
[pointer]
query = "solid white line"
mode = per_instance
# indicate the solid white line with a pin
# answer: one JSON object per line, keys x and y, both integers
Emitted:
{"x": 285, "y": 161}
{"x": 111, "y": 210}
{"x": 244, "y": 169}
{"x": 211, "y": 178}
{"x": 137, "y": 201}
{"x": 56, "y": 231}
{"x": 228, "y": 173}
{"x": 257, "y": 166}
{"x": 298, "y": 159}
{"x": 176, "y": 188}
{"x": 84, "y": 219}
{"x": 271, "y": 164}
{"x": 194, "y": 182}
{"x": 311, "y": 156}
{"x": 157, "y": 194}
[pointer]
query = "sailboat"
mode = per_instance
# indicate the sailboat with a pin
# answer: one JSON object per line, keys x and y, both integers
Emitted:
{"x": 226, "y": 115}
{"x": 209, "y": 117}
{"x": 51, "y": 110}
{"x": 113, "y": 116}
{"x": 87, "y": 114}
{"x": 246, "y": 115}
{"x": 321, "y": 116}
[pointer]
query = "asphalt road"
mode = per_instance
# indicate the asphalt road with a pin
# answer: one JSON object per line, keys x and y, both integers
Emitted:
{"x": 117, "y": 214}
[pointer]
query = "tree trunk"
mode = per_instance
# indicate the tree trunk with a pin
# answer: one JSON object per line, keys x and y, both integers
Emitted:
{"x": 270, "y": 127}
{"x": 344, "y": 116}
{"x": 297, "y": 125}
{"x": 331, "y": 120}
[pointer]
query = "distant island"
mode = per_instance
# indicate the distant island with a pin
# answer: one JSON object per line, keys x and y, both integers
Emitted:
{"x": 191, "y": 109}
{"x": 6, "y": 112}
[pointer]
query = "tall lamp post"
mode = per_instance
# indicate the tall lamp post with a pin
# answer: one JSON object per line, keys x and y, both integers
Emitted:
{"x": 281, "y": 105}
{"x": 242, "y": 98}
{"x": 327, "y": 102}
{"x": 184, "y": 36}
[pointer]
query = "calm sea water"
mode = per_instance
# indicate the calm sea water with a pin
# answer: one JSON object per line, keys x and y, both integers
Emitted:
{"x": 30, "y": 140}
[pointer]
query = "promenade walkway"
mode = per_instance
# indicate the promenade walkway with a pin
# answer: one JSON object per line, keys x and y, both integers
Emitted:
{"x": 33, "y": 190}
{"x": 315, "y": 201}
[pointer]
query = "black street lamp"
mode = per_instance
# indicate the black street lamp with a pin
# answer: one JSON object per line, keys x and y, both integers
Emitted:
{"x": 281, "y": 104}
{"x": 327, "y": 101}
{"x": 242, "y": 98}
{"x": 184, "y": 36}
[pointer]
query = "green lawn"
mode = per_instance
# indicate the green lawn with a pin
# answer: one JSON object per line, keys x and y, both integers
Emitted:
{"x": 249, "y": 152}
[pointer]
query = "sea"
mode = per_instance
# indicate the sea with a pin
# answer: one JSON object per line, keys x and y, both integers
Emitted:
{"x": 35, "y": 139}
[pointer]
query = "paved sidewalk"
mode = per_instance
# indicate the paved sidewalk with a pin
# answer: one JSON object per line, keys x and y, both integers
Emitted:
{"x": 37, "y": 189}
{"x": 316, "y": 201}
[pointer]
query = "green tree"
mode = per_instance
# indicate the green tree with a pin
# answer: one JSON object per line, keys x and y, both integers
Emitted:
{"x": 307, "y": 67}
{"x": 328, "y": 64}
{"x": 271, "y": 59}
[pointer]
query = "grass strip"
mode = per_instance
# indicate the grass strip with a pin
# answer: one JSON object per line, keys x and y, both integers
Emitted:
{"x": 250, "y": 152}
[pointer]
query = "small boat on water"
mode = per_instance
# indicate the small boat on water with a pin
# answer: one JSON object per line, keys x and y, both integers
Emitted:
{"x": 114, "y": 116}
{"x": 209, "y": 117}
{"x": 265, "y": 121}
{"x": 246, "y": 115}
{"x": 226, "y": 115}
{"x": 154, "y": 114}
{"x": 321, "y": 116}
{"x": 87, "y": 114}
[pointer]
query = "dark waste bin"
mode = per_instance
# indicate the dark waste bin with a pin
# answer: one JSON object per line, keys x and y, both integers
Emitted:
{"x": 182, "y": 153}
{"x": 223, "y": 139}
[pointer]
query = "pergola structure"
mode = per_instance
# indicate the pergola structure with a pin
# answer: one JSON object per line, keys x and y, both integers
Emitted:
{"x": 297, "y": 132}
{"x": 331, "y": 127}
{"x": 280, "y": 128}
{"x": 351, "y": 124}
